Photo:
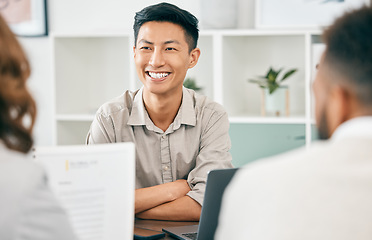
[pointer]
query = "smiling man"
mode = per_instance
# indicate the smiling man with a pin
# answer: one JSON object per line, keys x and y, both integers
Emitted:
{"x": 179, "y": 135}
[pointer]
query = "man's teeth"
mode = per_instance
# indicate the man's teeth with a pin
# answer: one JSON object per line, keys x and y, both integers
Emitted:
{"x": 158, "y": 75}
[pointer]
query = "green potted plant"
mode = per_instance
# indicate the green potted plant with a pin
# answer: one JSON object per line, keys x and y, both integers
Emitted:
{"x": 276, "y": 97}
{"x": 271, "y": 80}
{"x": 191, "y": 84}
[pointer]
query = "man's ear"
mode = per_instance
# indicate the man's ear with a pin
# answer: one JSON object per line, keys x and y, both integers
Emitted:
{"x": 134, "y": 51}
{"x": 194, "y": 57}
{"x": 339, "y": 107}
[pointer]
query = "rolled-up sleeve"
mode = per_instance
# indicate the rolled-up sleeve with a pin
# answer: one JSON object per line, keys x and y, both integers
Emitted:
{"x": 214, "y": 152}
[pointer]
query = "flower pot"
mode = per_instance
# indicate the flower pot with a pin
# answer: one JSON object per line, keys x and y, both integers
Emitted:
{"x": 276, "y": 103}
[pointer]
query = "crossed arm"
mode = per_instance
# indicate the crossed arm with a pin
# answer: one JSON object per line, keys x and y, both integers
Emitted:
{"x": 167, "y": 202}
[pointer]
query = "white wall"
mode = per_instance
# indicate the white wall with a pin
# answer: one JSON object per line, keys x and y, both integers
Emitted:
{"x": 87, "y": 16}
{"x": 98, "y": 15}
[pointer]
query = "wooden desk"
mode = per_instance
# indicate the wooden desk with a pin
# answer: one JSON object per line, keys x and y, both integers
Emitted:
{"x": 158, "y": 225}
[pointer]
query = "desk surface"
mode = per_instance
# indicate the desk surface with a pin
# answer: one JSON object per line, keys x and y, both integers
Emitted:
{"x": 158, "y": 225}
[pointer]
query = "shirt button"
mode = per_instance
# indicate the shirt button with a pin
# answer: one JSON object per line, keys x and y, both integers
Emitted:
{"x": 166, "y": 168}
{"x": 163, "y": 137}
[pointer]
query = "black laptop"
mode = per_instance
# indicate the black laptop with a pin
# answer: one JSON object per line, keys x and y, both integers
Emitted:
{"x": 217, "y": 181}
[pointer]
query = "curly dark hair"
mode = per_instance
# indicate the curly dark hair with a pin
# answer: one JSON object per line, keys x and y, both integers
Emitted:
{"x": 17, "y": 107}
{"x": 166, "y": 12}
{"x": 349, "y": 51}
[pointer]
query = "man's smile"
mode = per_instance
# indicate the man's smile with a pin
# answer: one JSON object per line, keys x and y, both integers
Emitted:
{"x": 157, "y": 75}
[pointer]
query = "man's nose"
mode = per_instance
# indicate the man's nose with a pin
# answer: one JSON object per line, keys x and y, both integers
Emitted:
{"x": 157, "y": 58}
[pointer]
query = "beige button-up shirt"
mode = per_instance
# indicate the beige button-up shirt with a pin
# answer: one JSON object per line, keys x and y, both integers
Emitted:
{"x": 196, "y": 142}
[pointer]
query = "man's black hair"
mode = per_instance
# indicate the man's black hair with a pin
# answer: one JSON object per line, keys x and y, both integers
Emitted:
{"x": 349, "y": 51}
{"x": 166, "y": 12}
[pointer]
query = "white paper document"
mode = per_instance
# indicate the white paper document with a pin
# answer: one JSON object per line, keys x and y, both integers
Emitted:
{"x": 95, "y": 184}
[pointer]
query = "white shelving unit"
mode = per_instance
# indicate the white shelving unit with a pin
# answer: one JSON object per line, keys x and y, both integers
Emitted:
{"x": 91, "y": 68}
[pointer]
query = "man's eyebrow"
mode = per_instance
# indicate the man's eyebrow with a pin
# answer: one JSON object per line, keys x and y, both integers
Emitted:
{"x": 172, "y": 41}
{"x": 145, "y": 41}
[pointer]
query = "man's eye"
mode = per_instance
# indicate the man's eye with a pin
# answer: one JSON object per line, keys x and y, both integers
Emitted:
{"x": 145, "y": 48}
{"x": 170, "y": 49}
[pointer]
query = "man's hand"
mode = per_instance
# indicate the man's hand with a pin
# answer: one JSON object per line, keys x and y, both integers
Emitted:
{"x": 147, "y": 198}
{"x": 178, "y": 188}
{"x": 181, "y": 209}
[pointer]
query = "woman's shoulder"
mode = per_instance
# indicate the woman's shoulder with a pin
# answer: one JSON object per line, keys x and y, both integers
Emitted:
{"x": 25, "y": 193}
{"x": 18, "y": 172}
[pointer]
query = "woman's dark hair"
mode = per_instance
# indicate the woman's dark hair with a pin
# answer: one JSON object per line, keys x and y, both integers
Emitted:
{"x": 17, "y": 107}
{"x": 166, "y": 12}
{"x": 349, "y": 51}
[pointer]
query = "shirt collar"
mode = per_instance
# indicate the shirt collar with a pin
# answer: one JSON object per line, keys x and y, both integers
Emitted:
{"x": 139, "y": 113}
{"x": 356, "y": 127}
{"x": 186, "y": 113}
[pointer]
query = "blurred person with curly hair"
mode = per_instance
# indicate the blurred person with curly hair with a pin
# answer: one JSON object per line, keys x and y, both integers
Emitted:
{"x": 28, "y": 209}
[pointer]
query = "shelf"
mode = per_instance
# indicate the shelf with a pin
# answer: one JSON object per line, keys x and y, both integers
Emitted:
{"x": 203, "y": 71}
{"x": 91, "y": 34}
{"x": 202, "y": 32}
{"x": 268, "y": 120}
{"x": 75, "y": 117}
{"x": 90, "y": 68}
{"x": 250, "y": 142}
{"x": 89, "y": 71}
{"x": 246, "y": 57}
{"x": 258, "y": 32}
{"x": 70, "y": 133}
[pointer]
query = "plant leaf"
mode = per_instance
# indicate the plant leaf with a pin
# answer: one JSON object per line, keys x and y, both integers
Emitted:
{"x": 261, "y": 83}
{"x": 191, "y": 84}
{"x": 255, "y": 81}
{"x": 271, "y": 77}
{"x": 277, "y": 73}
{"x": 273, "y": 87}
{"x": 269, "y": 72}
{"x": 287, "y": 74}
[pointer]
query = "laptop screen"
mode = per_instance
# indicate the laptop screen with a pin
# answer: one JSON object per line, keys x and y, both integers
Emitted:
{"x": 216, "y": 184}
{"x": 217, "y": 181}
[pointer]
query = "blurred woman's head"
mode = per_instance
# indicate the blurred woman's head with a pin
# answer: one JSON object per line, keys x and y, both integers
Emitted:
{"x": 17, "y": 107}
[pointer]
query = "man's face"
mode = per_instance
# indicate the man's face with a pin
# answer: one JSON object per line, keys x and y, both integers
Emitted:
{"x": 320, "y": 89}
{"x": 162, "y": 57}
